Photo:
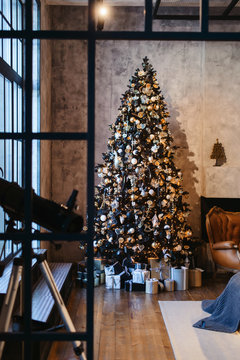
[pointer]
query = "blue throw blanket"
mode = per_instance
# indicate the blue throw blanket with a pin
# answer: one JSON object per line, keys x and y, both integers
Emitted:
{"x": 225, "y": 309}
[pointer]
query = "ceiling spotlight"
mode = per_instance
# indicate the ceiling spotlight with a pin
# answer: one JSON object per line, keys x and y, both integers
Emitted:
{"x": 102, "y": 11}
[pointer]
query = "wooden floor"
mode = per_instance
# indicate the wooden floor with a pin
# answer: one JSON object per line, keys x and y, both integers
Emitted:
{"x": 129, "y": 325}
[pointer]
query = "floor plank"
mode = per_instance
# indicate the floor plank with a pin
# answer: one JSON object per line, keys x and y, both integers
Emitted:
{"x": 129, "y": 325}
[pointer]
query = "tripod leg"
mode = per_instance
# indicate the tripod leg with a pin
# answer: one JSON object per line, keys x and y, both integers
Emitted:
{"x": 9, "y": 301}
{"x": 77, "y": 345}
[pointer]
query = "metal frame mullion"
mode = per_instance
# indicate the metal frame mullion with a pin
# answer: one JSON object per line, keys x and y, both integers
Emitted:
{"x": 148, "y": 16}
{"x": 46, "y": 136}
{"x": 90, "y": 177}
{"x": 48, "y": 236}
{"x": 204, "y": 8}
{"x": 27, "y": 241}
{"x": 229, "y": 8}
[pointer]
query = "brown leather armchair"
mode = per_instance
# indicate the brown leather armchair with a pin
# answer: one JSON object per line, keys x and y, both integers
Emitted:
{"x": 223, "y": 229}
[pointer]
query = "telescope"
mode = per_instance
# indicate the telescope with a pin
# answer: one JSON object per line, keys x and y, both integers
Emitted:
{"x": 53, "y": 217}
{"x": 46, "y": 213}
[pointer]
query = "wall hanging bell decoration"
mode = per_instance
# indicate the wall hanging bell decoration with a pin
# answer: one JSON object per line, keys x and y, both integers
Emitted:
{"x": 218, "y": 153}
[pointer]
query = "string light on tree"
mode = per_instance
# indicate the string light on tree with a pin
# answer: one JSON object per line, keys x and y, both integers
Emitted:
{"x": 140, "y": 196}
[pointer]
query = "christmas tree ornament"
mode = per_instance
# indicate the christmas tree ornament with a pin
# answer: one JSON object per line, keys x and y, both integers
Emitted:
{"x": 121, "y": 240}
{"x": 143, "y": 193}
{"x": 122, "y": 219}
{"x": 155, "y": 221}
{"x": 154, "y": 148}
{"x": 103, "y": 218}
{"x": 141, "y": 247}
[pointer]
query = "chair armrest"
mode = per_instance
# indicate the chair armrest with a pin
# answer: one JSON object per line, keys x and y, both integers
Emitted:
{"x": 224, "y": 245}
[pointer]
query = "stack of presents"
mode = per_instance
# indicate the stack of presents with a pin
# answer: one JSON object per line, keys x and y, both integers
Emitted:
{"x": 151, "y": 278}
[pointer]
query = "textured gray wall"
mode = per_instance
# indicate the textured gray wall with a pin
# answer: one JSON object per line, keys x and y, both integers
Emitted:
{"x": 200, "y": 82}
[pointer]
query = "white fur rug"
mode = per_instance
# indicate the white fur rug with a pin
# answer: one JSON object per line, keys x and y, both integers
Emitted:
{"x": 190, "y": 343}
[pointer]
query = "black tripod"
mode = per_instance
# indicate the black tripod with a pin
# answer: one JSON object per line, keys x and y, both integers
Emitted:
{"x": 7, "y": 308}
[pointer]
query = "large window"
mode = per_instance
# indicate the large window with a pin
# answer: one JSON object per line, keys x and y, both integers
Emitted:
{"x": 11, "y": 107}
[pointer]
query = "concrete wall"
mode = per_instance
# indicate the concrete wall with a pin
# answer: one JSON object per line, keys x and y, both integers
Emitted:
{"x": 200, "y": 82}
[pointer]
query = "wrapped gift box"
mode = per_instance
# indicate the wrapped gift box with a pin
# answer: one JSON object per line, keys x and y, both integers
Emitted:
{"x": 180, "y": 276}
{"x": 99, "y": 263}
{"x": 195, "y": 277}
{"x": 128, "y": 285}
{"x": 114, "y": 269}
{"x": 159, "y": 269}
{"x": 138, "y": 287}
{"x": 151, "y": 286}
{"x": 140, "y": 266}
{"x": 140, "y": 276}
{"x": 101, "y": 275}
{"x": 131, "y": 286}
{"x": 154, "y": 264}
{"x": 169, "y": 284}
{"x": 114, "y": 281}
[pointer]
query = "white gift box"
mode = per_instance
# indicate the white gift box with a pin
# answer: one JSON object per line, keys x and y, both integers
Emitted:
{"x": 113, "y": 269}
{"x": 140, "y": 276}
{"x": 113, "y": 281}
{"x": 151, "y": 286}
{"x": 180, "y": 277}
{"x": 109, "y": 270}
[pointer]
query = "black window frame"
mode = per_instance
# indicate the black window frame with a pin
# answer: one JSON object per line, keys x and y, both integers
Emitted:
{"x": 12, "y": 76}
{"x": 15, "y": 78}
{"x": 91, "y": 35}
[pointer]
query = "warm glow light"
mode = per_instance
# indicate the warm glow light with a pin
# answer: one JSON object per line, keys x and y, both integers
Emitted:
{"x": 102, "y": 11}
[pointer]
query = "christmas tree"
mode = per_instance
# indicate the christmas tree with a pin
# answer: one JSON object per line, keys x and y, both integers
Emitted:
{"x": 139, "y": 203}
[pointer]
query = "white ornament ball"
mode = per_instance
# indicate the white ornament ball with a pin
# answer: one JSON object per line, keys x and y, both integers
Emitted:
{"x": 152, "y": 136}
{"x": 166, "y": 227}
{"x": 134, "y": 161}
{"x": 131, "y": 231}
{"x": 154, "y": 148}
{"x": 103, "y": 217}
